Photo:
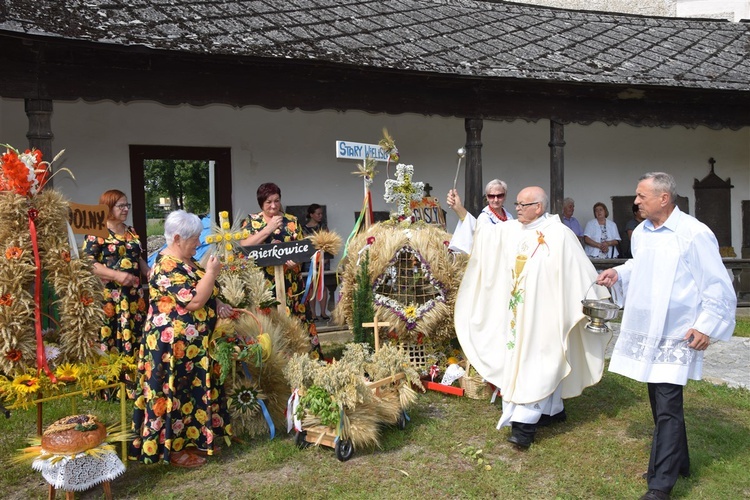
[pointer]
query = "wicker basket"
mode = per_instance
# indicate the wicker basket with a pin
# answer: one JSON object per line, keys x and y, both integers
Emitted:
{"x": 474, "y": 387}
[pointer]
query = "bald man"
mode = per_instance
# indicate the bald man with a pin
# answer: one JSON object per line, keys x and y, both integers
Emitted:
{"x": 519, "y": 317}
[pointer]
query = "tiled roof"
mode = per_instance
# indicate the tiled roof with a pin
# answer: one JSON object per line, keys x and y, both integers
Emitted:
{"x": 449, "y": 37}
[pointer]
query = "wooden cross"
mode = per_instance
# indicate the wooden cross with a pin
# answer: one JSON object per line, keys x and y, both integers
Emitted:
{"x": 376, "y": 325}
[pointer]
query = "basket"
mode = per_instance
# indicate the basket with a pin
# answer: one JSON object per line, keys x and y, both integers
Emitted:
{"x": 417, "y": 355}
{"x": 474, "y": 387}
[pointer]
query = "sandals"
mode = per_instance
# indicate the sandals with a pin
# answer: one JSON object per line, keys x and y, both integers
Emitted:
{"x": 186, "y": 459}
{"x": 325, "y": 318}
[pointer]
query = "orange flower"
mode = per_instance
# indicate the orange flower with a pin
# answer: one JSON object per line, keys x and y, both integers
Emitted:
{"x": 109, "y": 309}
{"x": 168, "y": 265}
{"x": 13, "y": 355}
{"x": 178, "y": 349}
{"x": 160, "y": 407}
{"x": 166, "y": 304}
{"x": 6, "y": 300}
{"x": 65, "y": 255}
{"x": 13, "y": 253}
{"x": 86, "y": 300}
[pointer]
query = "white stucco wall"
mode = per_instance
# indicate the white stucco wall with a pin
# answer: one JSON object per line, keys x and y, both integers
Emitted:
{"x": 296, "y": 150}
{"x": 733, "y": 10}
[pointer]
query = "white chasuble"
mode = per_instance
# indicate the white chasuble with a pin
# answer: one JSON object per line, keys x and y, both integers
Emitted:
{"x": 519, "y": 315}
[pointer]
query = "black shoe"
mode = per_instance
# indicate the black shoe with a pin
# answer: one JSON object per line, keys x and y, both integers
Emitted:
{"x": 546, "y": 420}
{"x": 522, "y": 435}
{"x": 655, "y": 495}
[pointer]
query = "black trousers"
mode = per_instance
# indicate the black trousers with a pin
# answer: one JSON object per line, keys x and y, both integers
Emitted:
{"x": 669, "y": 449}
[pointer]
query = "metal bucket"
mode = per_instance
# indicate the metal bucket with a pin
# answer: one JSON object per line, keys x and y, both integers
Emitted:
{"x": 599, "y": 311}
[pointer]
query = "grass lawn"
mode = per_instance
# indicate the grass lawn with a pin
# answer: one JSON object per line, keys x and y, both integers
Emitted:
{"x": 450, "y": 448}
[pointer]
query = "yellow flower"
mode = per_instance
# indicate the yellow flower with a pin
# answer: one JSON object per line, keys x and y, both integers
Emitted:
{"x": 209, "y": 239}
{"x": 187, "y": 408}
{"x": 126, "y": 264}
{"x": 177, "y": 444}
{"x": 151, "y": 341}
{"x": 25, "y": 384}
{"x": 140, "y": 403}
{"x": 150, "y": 447}
{"x": 67, "y": 372}
{"x": 201, "y": 416}
{"x": 192, "y": 351}
{"x": 192, "y": 433}
{"x": 410, "y": 311}
{"x": 200, "y": 314}
{"x": 225, "y": 225}
{"x": 203, "y": 363}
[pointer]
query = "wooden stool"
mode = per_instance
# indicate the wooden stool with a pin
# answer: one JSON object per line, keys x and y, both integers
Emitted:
{"x": 70, "y": 495}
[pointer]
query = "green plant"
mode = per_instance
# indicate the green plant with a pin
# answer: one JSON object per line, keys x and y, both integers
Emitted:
{"x": 362, "y": 305}
{"x": 319, "y": 403}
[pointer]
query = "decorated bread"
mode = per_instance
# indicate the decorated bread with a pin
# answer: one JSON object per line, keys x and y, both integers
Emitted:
{"x": 73, "y": 434}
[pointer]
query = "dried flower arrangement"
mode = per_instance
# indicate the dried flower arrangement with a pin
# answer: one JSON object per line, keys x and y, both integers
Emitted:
{"x": 35, "y": 245}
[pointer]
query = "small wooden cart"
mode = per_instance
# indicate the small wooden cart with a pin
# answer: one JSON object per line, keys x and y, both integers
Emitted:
{"x": 344, "y": 448}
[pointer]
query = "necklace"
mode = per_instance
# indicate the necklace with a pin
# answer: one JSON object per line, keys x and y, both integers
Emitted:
{"x": 500, "y": 215}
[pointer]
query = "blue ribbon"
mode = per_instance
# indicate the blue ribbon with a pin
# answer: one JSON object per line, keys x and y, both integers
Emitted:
{"x": 262, "y": 405}
{"x": 310, "y": 274}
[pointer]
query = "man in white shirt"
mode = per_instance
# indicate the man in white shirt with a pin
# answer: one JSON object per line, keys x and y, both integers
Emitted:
{"x": 678, "y": 297}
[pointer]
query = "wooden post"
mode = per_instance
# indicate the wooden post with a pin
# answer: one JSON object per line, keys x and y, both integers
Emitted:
{"x": 473, "y": 190}
{"x": 278, "y": 272}
{"x": 556, "y": 166}
{"x": 39, "y": 112}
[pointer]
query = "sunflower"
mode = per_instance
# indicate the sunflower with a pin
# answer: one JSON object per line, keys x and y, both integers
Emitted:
{"x": 25, "y": 384}
{"x": 67, "y": 373}
{"x": 244, "y": 403}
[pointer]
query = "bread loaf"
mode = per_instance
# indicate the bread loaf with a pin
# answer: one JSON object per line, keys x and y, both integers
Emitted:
{"x": 73, "y": 434}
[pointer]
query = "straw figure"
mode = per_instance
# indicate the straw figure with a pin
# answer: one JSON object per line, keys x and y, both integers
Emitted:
{"x": 35, "y": 248}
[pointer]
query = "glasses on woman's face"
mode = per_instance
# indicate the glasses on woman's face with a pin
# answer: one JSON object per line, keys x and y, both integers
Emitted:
{"x": 495, "y": 196}
{"x": 123, "y": 206}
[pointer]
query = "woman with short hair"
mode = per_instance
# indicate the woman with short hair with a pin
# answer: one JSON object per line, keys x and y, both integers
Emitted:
{"x": 601, "y": 235}
{"x": 180, "y": 410}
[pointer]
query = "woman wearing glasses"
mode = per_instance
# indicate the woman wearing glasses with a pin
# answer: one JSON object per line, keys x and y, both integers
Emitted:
{"x": 119, "y": 263}
{"x": 493, "y": 213}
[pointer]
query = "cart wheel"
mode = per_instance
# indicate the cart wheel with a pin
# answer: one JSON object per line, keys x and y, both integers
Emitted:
{"x": 401, "y": 421}
{"x": 344, "y": 449}
{"x": 300, "y": 441}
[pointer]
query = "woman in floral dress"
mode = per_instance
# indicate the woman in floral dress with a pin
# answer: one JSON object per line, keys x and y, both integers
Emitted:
{"x": 272, "y": 225}
{"x": 180, "y": 410}
{"x": 119, "y": 264}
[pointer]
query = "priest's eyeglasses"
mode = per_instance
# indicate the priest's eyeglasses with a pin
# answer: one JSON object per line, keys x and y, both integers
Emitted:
{"x": 518, "y": 204}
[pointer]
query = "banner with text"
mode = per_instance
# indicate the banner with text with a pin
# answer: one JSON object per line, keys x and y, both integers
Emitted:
{"x": 428, "y": 210}
{"x": 88, "y": 219}
{"x": 359, "y": 150}
{"x": 276, "y": 254}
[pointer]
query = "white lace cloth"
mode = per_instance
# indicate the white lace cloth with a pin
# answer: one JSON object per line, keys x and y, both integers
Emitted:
{"x": 452, "y": 373}
{"x": 80, "y": 472}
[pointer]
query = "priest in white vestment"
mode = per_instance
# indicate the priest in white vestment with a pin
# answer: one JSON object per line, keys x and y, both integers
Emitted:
{"x": 519, "y": 316}
{"x": 678, "y": 298}
{"x": 494, "y": 213}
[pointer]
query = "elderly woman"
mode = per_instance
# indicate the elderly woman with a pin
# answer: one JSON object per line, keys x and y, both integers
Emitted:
{"x": 600, "y": 235}
{"x": 180, "y": 409}
{"x": 272, "y": 225}
{"x": 493, "y": 213}
{"x": 118, "y": 262}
